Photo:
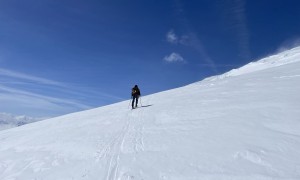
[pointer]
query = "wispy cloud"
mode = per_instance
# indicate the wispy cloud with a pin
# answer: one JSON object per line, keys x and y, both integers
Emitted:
{"x": 190, "y": 38}
{"x": 174, "y": 57}
{"x": 243, "y": 33}
{"x": 26, "y": 103}
{"x": 18, "y": 75}
{"x": 196, "y": 44}
{"x": 220, "y": 65}
{"x": 172, "y": 37}
{"x": 22, "y": 93}
{"x": 235, "y": 17}
{"x": 42, "y": 97}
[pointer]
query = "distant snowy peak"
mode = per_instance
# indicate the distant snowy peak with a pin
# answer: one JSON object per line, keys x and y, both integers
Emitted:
{"x": 286, "y": 57}
{"x": 9, "y": 120}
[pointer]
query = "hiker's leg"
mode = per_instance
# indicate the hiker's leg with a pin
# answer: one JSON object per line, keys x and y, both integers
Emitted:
{"x": 132, "y": 104}
{"x": 137, "y": 100}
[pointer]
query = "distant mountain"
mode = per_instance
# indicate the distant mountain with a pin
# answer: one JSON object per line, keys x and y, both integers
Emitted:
{"x": 242, "y": 125}
{"x": 9, "y": 121}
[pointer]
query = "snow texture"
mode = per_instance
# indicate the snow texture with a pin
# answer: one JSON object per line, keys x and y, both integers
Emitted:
{"x": 242, "y": 125}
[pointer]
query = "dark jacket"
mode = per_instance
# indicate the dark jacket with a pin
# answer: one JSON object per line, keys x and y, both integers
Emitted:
{"x": 135, "y": 91}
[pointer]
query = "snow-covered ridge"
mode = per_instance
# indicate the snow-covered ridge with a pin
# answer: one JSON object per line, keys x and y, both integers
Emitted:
{"x": 286, "y": 57}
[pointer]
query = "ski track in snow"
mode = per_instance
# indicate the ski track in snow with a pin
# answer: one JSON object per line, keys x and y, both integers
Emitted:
{"x": 128, "y": 140}
{"x": 115, "y": 152}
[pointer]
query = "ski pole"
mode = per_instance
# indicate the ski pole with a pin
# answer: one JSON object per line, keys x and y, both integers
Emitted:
{"x": 141, "y": 101}
{"x": 129, "y": 102}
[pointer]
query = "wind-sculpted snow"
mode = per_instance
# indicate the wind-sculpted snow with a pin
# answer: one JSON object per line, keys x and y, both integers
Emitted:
{"x": 240, "y": 127}
{"x": 283, "y": 58}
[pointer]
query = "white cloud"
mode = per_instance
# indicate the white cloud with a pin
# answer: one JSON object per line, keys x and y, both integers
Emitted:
{"x": 175, "y": 39}
{"x": 174, "y": 57}
{"x": 172, "y": 37}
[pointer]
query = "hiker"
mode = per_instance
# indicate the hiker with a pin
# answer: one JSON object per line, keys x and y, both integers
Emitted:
{"x": 135, "y": 94}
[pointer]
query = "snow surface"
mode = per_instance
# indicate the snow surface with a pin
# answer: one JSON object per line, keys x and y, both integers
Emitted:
{"x": 243, "y": 125}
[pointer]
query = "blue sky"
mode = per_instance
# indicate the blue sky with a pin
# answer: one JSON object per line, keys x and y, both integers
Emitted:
{"x": 58, "y": 57}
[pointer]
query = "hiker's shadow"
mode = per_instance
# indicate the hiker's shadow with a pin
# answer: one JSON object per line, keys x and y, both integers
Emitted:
{"x": 147, "y": 105}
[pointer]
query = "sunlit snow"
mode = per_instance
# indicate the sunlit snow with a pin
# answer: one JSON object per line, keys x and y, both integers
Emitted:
{"x": 244, "y": 124}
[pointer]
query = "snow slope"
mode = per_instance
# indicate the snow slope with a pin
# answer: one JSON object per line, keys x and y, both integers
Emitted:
{"x": 243, "y": 125}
